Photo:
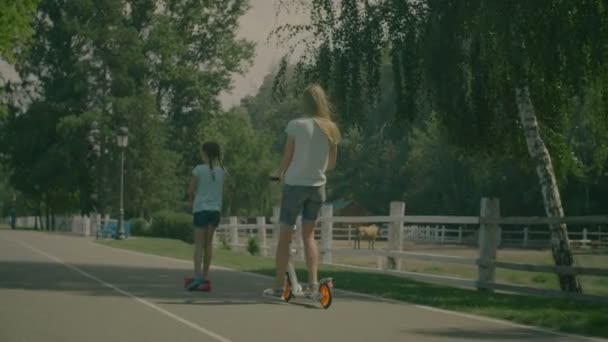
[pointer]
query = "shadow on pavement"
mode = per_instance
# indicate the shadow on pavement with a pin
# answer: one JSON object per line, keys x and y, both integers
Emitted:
{"x": 162, "y": 285}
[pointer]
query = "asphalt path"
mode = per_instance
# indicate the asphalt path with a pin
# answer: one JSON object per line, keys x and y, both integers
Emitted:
{"x": 60, "y": 288}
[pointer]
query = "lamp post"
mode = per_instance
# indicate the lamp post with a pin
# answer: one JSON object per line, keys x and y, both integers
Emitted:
{"x": 122, "y": 140}
{"x": 95, "y": 143}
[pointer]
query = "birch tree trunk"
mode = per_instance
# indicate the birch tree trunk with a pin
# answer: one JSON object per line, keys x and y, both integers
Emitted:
{"x": 562, "y": 255}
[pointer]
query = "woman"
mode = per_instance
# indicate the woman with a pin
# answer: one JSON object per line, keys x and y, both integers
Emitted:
{"x": 310, "y": 151}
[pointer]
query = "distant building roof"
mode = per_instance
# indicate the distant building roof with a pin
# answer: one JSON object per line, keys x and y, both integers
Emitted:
{"x": 341, "y": 204}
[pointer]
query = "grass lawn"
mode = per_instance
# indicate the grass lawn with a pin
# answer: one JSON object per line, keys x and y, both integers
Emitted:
{"x": 586, "y": 258}
{"x": 562, "y": 315}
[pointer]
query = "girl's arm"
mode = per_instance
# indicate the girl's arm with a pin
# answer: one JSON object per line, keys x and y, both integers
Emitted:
{"x": 227, "y": 179}
{"x": 192, "y": 188}
{"x": 333, "y": 156}
{"x": 287, "y": 156}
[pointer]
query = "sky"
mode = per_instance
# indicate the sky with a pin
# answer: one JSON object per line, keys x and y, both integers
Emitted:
{"x": 255, "y": 26}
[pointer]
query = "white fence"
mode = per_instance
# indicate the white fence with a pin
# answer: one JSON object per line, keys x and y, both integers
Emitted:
{"x": 77, "y": 225}
{"x": 487, "y": 233}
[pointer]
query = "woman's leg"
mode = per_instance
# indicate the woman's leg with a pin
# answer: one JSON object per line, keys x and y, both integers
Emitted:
{"x": 282, "y": 256}
{"x": 310, "y": 249}
{"x": 310, "y": 213}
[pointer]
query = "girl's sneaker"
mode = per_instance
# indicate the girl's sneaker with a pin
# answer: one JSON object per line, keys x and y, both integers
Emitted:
{"x": 206, "y": 286}
{"x": 195, "y": 284}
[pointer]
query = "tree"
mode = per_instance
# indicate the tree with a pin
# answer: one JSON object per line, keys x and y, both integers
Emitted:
{"x": 15, "y": 25}
{"x": 154, "y": 66}
{"x": 193, "y": 52}
{"x": 248, "y": 157}
{"x": 16, "y": 19}
{"x": 520, "y": 61}
{"x": 492, "y": 69}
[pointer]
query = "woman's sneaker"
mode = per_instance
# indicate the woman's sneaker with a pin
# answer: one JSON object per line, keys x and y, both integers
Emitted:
{"x": 274, "y": 294}
{"x": 311, "y": 290}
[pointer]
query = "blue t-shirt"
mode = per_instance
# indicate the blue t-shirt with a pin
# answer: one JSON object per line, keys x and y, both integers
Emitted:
{"x": 209, "y": 188}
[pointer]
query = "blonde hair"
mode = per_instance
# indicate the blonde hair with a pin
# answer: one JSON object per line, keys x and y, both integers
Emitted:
{"x": 318, "y": 104}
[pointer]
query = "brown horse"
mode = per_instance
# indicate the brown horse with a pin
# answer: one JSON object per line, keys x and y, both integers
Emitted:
{"x": 371, "y": 233}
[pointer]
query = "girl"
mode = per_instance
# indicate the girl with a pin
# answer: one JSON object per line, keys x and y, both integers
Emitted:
{"x": 208, "y": 182}
{"x": 310, "y": 151}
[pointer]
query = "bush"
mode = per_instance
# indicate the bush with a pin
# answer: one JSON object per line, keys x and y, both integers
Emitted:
{"x": 172, "y": 225}
{"x": 140, "y": 227}
{"x": 224, "y": 240}
{"x": 252, "y": 246}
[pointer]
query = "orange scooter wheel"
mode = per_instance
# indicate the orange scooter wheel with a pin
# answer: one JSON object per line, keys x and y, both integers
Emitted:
{"x": 325, "y": 299}
{"x": 287, "y": 290}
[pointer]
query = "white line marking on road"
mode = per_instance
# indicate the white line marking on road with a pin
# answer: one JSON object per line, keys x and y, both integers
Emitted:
{"x": 127, "y": 294}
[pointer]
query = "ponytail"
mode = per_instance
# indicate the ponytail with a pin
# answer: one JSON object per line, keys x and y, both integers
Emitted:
{"x": 212, "y": 150}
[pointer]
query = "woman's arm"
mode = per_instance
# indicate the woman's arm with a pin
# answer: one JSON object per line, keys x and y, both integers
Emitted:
{"x": 333, "y": 156}
{"x": 287, "y": 156}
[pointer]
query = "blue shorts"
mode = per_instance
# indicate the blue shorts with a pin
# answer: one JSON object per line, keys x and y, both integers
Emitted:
{"x": 305, "y": 200}
{"x": 206, "y": 218}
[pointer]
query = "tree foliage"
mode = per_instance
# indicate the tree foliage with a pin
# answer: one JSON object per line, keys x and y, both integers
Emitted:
{"x": 155, "y": 67}
{"x": 15, "y": 25}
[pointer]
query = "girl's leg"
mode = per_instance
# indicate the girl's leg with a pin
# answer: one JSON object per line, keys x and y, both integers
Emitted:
{"x": 208, "y": 242}
{"x": 199, "y": 240}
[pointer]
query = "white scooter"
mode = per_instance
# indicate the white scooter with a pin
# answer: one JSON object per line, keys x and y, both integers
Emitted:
{"x": 293, "y": 288}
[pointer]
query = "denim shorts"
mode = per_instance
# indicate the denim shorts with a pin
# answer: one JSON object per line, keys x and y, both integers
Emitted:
{"x": 206, "y": 218}
{"x": 305, "y": 200}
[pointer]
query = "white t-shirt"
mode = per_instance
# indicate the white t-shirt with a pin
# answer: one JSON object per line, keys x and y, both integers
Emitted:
{"x": 310, "y": 158}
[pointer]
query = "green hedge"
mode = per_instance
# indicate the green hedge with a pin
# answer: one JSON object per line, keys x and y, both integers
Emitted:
{"x": 140, "y": 227}
{"x": 172, "y": 225}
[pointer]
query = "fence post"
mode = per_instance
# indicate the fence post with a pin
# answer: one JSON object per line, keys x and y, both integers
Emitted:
{"x": 499, "y": 237}
{"x": 216, "y": 237}
{"x": 584, "y": 233}
{"x": 349, "y": 237}
{"x": 261, "y": 223}
{"x": 488, "y": 240}
{"x": 72, "y": 226}
{"x": 442, "y": 235}
{"x": 397, "y": 211}
{"x": 525, "y": 243}
{"x": 87, "y": 225}
{"x": 276, "y": 228}
{"x": 95, "y": 221}
{"x": 327, "y": 212}
{"x": 234, "y": 231}
{"x": 459, "y": 234}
